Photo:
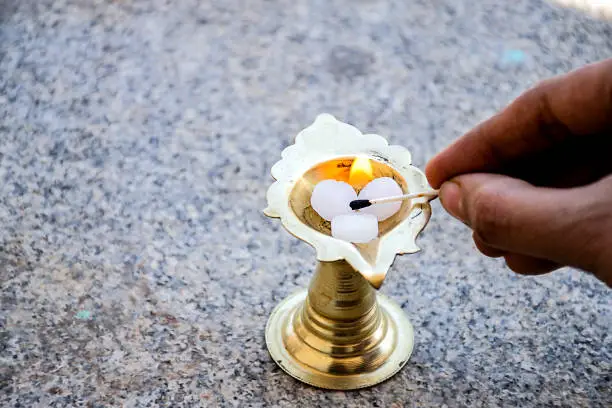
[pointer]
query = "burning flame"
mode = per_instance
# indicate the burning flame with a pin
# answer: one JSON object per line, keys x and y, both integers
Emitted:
{"x": 361, "y": 172}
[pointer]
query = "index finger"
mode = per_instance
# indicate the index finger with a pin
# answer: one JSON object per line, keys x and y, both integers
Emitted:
{"x": 572, "y": 105}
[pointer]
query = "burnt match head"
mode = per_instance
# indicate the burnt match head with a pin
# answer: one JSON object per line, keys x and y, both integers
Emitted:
{"x": 359, "y": 204}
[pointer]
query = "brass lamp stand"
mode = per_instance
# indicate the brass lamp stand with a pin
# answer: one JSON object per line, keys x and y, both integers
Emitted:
{"x": 340, "y": 333}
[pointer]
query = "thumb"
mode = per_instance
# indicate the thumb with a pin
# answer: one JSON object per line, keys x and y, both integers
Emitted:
{"x": 567, "y": 226}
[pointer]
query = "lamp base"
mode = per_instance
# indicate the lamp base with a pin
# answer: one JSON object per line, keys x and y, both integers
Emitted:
{"x": 339, "y": 354}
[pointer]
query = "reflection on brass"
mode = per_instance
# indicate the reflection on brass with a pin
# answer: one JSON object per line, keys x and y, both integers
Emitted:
{"x": 342, "y": 334}
{"x": 339, "y": 335}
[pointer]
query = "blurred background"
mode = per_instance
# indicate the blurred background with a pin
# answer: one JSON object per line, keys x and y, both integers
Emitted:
{"x": 136, "y": 267}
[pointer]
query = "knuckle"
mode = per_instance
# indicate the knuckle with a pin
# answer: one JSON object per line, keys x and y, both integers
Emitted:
{"x": 606, "y": 184}
{"x": 595, "y": 241}
{"x": 488, "y": 216}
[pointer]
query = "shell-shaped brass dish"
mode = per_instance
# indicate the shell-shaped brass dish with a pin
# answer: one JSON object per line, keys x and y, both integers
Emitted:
{"x": 326, "y": 150}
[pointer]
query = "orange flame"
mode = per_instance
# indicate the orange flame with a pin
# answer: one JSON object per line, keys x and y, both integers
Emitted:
{"x": 361, "y": 172}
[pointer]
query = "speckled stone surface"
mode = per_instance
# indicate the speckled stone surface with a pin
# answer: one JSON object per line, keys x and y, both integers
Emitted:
{"x": 136, "y": 266}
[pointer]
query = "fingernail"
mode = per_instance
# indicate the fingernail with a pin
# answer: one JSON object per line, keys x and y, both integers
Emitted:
{"x": 450, "y": 196}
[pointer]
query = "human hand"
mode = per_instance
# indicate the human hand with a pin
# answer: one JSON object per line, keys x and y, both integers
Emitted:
{"x": 534, "y": 182}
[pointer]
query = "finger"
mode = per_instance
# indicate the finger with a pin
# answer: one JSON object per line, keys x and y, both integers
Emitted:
{"x": 486, "y": 249}
{"x": 566, "y": 226}
{"x": 523, "y": 264}
{"x": 571, "y": 164}
{"x": 527, "y": 265}
{"x": 575, "y": 104}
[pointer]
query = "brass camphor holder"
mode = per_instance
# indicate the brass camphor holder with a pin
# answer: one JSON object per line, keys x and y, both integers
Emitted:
{"x": 340, "y": 333}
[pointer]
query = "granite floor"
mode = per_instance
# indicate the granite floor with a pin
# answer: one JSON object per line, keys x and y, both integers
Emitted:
{"x": 136, "y": 267}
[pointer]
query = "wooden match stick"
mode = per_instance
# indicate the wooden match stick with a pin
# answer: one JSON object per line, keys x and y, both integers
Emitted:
{"x": 359, "y": 204}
